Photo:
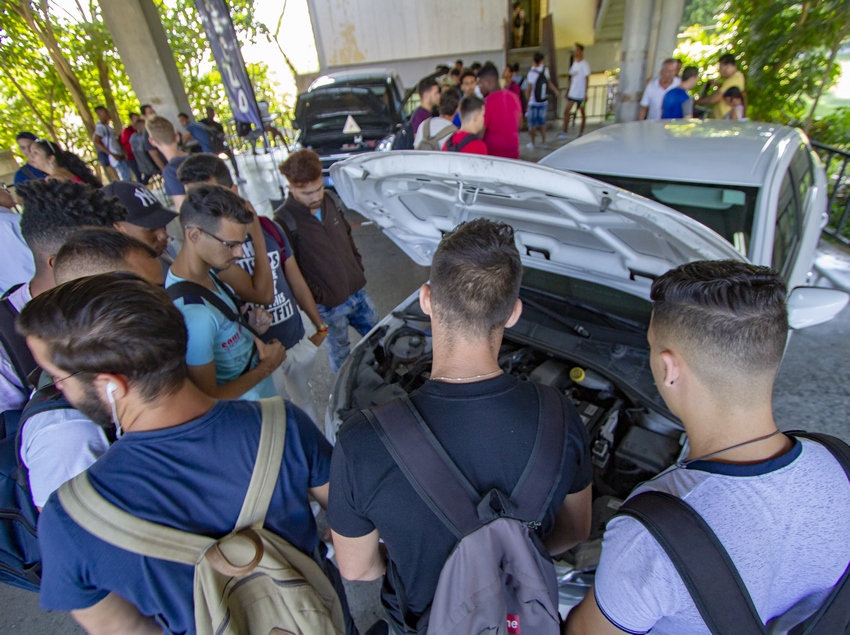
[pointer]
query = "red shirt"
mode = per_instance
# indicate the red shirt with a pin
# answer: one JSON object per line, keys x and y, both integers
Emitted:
{"x": 125, "y": 142}
{"x": 502, "y": 116}
{"x": 473, "y": 147}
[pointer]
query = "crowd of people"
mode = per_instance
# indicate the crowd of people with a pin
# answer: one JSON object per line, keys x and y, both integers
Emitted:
{"x": 143, "y": 373}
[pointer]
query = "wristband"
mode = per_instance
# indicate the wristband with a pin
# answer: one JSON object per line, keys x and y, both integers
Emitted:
{"x": 323, "y": 328}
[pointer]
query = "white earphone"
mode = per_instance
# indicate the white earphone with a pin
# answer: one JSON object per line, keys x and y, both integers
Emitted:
{"x": 111, "y": 387}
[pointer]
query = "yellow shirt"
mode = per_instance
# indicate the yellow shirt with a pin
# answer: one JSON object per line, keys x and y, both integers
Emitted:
{"x": 721, "y": 107}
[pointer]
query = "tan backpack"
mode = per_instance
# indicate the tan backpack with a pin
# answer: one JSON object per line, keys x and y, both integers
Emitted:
{"x": 251, "y": 582}
{"x": 434, "y": 143}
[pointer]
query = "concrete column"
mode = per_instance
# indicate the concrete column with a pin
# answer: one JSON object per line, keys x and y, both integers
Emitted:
{"x": 637, "y": 30}
{"x": 668, "y": 31}
{"x": 143, "y": 46}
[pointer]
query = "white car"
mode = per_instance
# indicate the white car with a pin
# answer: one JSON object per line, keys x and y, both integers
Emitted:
{"x": 590, "y": 253}
{"x": 759, "y": 185}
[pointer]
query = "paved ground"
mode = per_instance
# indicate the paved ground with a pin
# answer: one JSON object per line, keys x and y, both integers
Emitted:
{"x": 812, "y": 391}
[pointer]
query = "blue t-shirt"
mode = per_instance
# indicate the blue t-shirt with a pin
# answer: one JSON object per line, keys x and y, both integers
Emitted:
{"x": 192, "y": 477}
{"x": 201, "y": 134}
{"x": 169, "y": 177}
{"x": 675, "y": 104}
{"x": 28, "y": 173}
{"x": 287, "y": 326}
{"x": 214, "y": 338}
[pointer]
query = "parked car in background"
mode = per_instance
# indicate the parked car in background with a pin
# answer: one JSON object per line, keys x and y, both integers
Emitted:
{"x": 590, "y": 252}
{"x": 759, "y": 185}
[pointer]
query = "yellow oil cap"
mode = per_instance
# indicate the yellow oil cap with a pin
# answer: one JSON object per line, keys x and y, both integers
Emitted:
{"x": 577, "y": 374}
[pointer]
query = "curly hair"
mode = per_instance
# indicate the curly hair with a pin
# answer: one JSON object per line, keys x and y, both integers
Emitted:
{"x": 71, "y": 162}
{"x": 303, "y": 166}
{"x": 54, "y": 210}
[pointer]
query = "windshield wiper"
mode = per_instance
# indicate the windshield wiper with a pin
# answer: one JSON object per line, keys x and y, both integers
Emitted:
{"x": 614, "y": 320}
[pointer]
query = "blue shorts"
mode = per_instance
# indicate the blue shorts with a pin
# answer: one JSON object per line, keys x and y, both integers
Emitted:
{"x": 536, "y": 115}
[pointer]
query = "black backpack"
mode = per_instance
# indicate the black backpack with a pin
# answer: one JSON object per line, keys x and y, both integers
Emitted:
{"x": 710, "y": 575}
{"x": 405, "y": 137}
{"x": 451, "y": 146}
{"x": 540, "y": 87}
{"x": 15, "y": 345}
{"x": 20, "y": 556}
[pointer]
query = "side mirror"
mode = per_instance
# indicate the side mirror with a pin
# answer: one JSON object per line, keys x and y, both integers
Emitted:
{"x": 808, "y": 306}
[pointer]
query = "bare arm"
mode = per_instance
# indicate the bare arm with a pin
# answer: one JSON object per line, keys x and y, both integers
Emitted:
{"x": 304, "y": 297}
{"x": 572, "y": 522}
{"x": 711, "y": 99}
{"x": 157, "y": 159}
{"x": 642, "y": 113}
{"x": 114, "y": 614}
{"x": 203, "y": 376}
{"x": 321, "y": 494}
{"x": 359, "y": 558}
{"x": 259, "y": 287}
{"x": 98, "y": 143}
{"x": 178, "y": 200}
{"x": 587, "y": 619}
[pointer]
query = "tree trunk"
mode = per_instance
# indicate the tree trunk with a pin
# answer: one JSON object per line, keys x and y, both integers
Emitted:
{"x": 833, "y": 53}
{"x": 47, "y": 123}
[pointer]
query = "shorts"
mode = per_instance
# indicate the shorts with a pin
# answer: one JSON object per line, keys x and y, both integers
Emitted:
{"x": 575, "y": 100}
{"x": 536, "y": 115}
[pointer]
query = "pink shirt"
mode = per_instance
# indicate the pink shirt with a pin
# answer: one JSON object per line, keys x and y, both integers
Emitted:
{"x": 502, "y": 116}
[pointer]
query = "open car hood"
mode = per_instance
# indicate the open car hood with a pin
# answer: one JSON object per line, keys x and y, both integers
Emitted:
{"x": 564, "y": 222}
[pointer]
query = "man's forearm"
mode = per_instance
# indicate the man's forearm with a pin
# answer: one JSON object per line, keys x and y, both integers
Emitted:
{"x": 155, "y": 157}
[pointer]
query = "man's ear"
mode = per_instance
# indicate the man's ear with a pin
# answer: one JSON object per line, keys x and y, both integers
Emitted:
{"x": 425, "y": 298}
{"x": 51, "y": 261}
{"x": 514, "y": 318}
{"x": 192, "y": 233}
{"x": 672, "y": 366}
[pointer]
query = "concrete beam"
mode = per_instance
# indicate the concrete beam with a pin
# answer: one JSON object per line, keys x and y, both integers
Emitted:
{"x": 637, "y": 30}
{"x": 143, "y": 46}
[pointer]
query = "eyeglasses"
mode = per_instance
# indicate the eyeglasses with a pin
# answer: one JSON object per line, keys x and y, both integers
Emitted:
{"x": 34, "y": 377}
{"x": 229, "y": 244}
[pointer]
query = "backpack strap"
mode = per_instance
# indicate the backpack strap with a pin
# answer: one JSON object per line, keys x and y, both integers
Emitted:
{"x": 287, "y": 221}
{"x": 445, "y": 132}
{"x": 113, "y": 525}
{"x": 457, "y": 147}
{"x": 188, "y": 289}
{"x": 704, "y": 565}
{"x": 272, "y": 230}
{"x": 15, "y": 345}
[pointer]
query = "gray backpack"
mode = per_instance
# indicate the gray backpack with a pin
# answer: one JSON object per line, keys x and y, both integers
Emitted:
{"x": 251, "y": 582}
{"x": 430, "y": 142}
{"x": 499, "y": 578}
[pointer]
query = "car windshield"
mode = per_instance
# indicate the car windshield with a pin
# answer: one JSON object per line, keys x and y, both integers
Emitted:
{"x": 727, "y": 209}
{"x": 327, "y": 111}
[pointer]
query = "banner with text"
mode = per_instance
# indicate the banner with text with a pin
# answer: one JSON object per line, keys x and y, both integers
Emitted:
{"x": 215, "y": 17}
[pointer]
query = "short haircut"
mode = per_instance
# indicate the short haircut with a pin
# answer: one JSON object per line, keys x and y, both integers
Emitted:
{"x": 475, "y": 66}
{"x": 539, "y": 57}
{"x": 734, "y": 93}
{"x": 690, "y": 71}
{"x": 96, "y": 108}
{"x": 476, "y": 273}
{"x": 489, "y": 70}
{"x": 161, "y": 130}
{"x": 449, "y": 102}
{"x": 303, "y": 166}
{"x": 425, "y": 85}
{"x": 466, "y": 72}
{"x": 93, "y": 251}
{"x": 112, "y": 323}
{"x": 206, "y": 205}
{"x": 183, "y": 114}
{"x": 54, "y": 210}
{"x": 515, "y": 67}
{"x": 203, "y": 166}
{"x": 469, "y": 106}
{"x": 580, "y": 47}
{"x": 134, "y": 114}
{"x": 144, "y": 108}
{"x": 455, "y": 72}
{"x": 459, "y": 62}
{"x": 727, "y": 318}
{"x": 25, "y": 134}
{"x": 728, "y": 58}
{"x": 669, "y": 60}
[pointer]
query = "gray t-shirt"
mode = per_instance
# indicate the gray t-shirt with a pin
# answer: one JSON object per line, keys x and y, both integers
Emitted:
{"x": 784, "y": 523}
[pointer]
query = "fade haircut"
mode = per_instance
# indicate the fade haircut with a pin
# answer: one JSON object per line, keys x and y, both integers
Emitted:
{"x": 466, "y": 72}
{"x": 489, "y": 70}
{"x": 425, "y": 85}
{"x": 538, "y": 57}
{"x": 93, "y": 251}
{"x": 203, "y": 166}
{"x": 206, "y": 205}
{"x": 161, "y": 130}
{"x": 728, "y": 58}
{"x": 54, "y": 210}
{"x": 302, "y": 167}
{"x": 469, "y": 106}
{"x": 449, "y": 102}
{"x": 728, "y": 319}
{"x": 475, "y": 277}
{"x": 112, "y": 323}
{"x": 690, "y": 71}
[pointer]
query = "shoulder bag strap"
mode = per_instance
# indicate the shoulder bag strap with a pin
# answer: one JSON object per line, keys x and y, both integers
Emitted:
{"x": 15, "y": 345}
{"x": 113, "y": 525}
{"x": 186, "y": 288}
{"x": 267, "y": 466}
{"x": 703, "y": 564}
{"x": 542, "y": 475}
{"x": 427, "y": 466}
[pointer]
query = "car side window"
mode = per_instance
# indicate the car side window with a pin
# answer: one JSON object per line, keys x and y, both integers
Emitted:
{"x": 788, "y": 226}
{"x": 803, "y": 172}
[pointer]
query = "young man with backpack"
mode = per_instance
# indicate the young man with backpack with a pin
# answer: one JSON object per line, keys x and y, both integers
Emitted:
{"x": 291, "y": 293}
{"x": 538, "y": 83}
{"x": 468, "y": 138}
{"x": 754, "y": 522}
{"x": 502, "y": 116}
{"x": 465, "y": 437}
{"x": 435, "y": 132}
{"x": 157, "y": 534}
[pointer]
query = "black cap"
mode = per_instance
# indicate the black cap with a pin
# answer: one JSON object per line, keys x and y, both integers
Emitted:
{"x": 143, "y": 209}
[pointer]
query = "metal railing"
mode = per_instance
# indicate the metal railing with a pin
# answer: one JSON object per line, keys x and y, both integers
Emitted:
{"x": 835, "y": 161}
{"x": 598, "y": 106}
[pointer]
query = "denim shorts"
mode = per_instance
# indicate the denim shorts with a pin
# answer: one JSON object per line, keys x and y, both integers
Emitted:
{"x": 536, "y": 115}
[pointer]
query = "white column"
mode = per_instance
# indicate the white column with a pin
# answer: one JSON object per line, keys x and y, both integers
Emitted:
{"x": 637, "y": 30}
{"x": 668, "y": 31}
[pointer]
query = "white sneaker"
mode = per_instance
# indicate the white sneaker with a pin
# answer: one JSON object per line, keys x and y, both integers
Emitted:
{"x": 544, "y": 146}
{"x": 563, "y": 135}
{"x": 530, "y": 146}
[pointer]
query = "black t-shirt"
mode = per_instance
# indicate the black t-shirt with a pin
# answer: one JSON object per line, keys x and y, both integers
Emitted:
{"x": 488, "y": 429}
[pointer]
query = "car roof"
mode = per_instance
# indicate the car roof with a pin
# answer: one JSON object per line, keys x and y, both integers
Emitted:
{"x": 359, "y": 75}
{"x": 728, "y": 152}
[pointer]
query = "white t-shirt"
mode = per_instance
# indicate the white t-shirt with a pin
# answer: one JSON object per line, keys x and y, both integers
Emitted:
{"x": 579, "y": 72}
{"x": 653, "y": 96}
{"x": 110, "y": 141}
{"x": 436, "y": 125}
{"x": 56, "y": 446}
{"x": 784, "y": 523}
{"x": 16, "y": 264}
{"x": 531, "y": 81}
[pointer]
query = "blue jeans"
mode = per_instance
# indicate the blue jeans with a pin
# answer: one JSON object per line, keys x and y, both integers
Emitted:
{"x": 536, "y": 115}
{"x": 358, "y": 311}
{"x": 123, "y": 169}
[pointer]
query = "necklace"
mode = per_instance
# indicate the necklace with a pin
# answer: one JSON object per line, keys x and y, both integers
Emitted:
{"x": 739, "y": 445}
{"x": 453, "y": 379}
